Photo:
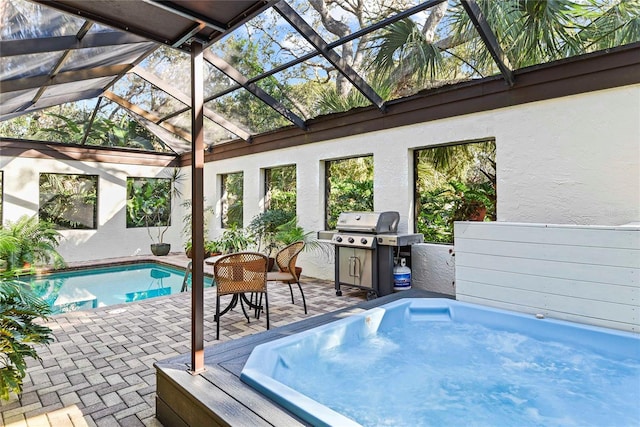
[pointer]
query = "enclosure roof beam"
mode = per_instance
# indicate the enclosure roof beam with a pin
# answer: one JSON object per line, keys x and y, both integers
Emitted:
{"x": 56, "y": 44}
{"x": 291, "y": 16}
{"x": 489, "y": 39}
{"x": 94, "y": 113}
{"x": 144, "y": 113}
{"x": 82, "y": 32}
{"x": 24, "y": 83}
{"x": 185, "y": 99}
{"x": 50, "y": 102}
{"x": 397, "y": 17}
{"x": 187, "y": 35}
{"x": 253, "y": 88}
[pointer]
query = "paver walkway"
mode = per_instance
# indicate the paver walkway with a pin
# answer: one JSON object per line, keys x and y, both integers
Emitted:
{"x": 99, "y": 370}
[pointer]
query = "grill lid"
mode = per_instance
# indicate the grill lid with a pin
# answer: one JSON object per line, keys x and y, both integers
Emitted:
{"x": 369, "y": 222}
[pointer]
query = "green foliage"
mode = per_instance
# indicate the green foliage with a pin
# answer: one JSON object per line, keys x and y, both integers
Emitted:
{"x": 19, "y": 333}
{"x": 68, "y": 201}
{"x": 103, "y": 131}
{"x": 454, "y": 183}
{"x": 402, "y": 45}
{"x": 232, "y": 207}
{"x": 350, "y": 187}
{"x": 329, "y": 100}
{"x": 212, "y": 246}
{"x": 291, "y": 232}
{"x": 241, "y": 106}
{"x": 456, "y": 201}
{"x": 281, "y": 188}
{"x": 233, "y": 239}
{"x": 27, "y": 242}
{"x": 186, "y": 219}
{"x": 264, "y": 228}
{"x": 150, "y": 202}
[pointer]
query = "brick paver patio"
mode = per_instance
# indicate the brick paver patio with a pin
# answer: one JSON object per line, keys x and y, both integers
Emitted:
{"x": 99, "y": 370}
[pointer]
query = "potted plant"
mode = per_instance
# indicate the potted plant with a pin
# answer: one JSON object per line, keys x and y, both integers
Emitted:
{"x": 233, "y": 239}
{"x": 151, "y": 205}
{"x": 471, "y": 201}
{"x": 264, "y": 228}
{"x": 212, "y": 248}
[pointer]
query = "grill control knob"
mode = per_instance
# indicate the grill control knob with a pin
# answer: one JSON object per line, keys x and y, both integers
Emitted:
{"x": 350, "y": 239}
{"x": 363, "y": 241}
{"x": 338, "y": 239}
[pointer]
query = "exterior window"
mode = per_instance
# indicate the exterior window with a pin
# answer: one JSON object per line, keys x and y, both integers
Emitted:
{"x": 69, "y": 202}
{"x": 280, "y": 189}
{"x": 454, "y": 183}
{"x": 349, "y": 187}
{"x": 232, "y": 193}
{"x": 148, "y": 202}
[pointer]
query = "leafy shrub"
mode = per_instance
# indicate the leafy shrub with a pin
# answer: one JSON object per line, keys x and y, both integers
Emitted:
{"x": 19, "y": 333}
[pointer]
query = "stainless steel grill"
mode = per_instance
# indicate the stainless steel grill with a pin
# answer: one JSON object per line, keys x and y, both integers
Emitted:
{"x": 366, "y": 244}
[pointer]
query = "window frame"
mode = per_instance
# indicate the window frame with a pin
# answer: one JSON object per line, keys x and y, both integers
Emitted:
{"x": 224, "y": 201}
{"x": 327, "y": 186}
{"x": 165, "y": 220}
{"x": 59, "y": 226}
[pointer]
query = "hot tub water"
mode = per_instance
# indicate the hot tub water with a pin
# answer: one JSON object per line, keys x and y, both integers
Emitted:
{"x": 433, "y": 369}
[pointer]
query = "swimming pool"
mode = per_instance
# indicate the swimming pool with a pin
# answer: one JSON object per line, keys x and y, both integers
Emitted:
{"x": 443, "y": 362}
{"x": 104, "y": 286}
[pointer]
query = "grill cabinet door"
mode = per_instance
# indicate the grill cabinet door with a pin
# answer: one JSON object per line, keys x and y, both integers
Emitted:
{"x": 356, "y": 267}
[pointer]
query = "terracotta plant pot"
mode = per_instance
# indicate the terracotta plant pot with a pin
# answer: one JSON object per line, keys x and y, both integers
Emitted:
{"x": 479, "y": 214}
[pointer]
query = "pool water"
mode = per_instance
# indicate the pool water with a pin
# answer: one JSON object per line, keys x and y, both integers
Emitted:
{"x": 439, "y": 363}
{"x": 100, "y": 287}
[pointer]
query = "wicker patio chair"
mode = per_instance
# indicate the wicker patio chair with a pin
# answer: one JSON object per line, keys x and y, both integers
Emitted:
{"x": 286, "y": 260}
{"x": 237, "y": 274}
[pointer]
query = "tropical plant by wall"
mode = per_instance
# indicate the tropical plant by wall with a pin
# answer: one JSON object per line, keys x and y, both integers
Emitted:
{"x": 28, "y": 242}
{"x": 233, "y": 239}
{"x": 291, "y": 232}
{"x": 209, "y": 245}
{"x": 26, "y": 239}
{"x": 19, "y": 333}
{"x": 264, "y": 228}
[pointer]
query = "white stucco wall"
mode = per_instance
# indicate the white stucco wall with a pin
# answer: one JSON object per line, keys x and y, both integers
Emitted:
{"x": 112, "y": 238}
{"x": 572, "y": 160}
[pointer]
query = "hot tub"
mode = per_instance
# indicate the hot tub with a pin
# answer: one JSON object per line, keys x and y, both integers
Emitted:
{"x": 443, "y": 362}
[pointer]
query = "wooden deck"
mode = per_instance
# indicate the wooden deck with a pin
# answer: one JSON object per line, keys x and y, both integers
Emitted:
{"x": 218, "y": 397}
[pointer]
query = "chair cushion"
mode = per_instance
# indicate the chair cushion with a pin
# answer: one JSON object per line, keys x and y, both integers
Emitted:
{"x": 279, "y": 276}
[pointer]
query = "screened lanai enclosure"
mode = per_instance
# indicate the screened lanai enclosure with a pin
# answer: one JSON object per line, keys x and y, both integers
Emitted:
{"x": 223, "y": 112}
{"x": 116, "y": 73}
